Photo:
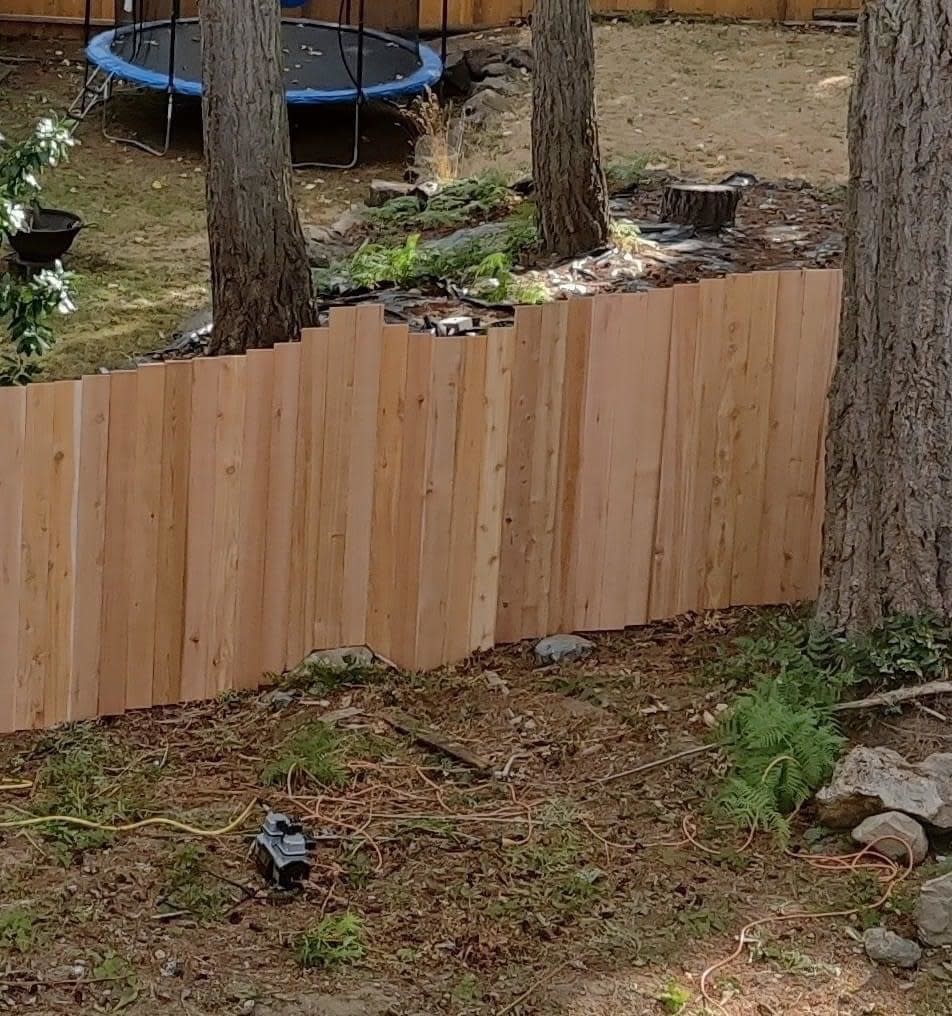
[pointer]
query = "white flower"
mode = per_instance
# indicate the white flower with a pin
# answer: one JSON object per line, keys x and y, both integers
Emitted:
{"x": 15, "y": 216}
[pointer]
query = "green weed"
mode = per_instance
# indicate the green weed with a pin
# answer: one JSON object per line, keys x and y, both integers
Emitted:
{"x": 315, "y": 750}
{"x": 188, "y": 886}
{"x": 18, "y": 929}
{"x": 322, "y": 678}
{"x": 623, "y": 174}
{"x": 674, "y": 997}
{"x": 110, "y": 966}
{"x": 336, "y": 940}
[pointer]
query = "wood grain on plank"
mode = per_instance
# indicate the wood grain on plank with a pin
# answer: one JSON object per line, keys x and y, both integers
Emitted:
{"x": 12, "y": 500}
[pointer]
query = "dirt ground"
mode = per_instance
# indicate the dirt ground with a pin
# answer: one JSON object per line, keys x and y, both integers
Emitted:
{"x": 553, "y": 882}
{"x": 701, "y": 99}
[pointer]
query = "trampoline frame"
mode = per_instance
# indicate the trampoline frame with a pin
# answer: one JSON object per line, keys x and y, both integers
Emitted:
{"x": 110, "y": 68}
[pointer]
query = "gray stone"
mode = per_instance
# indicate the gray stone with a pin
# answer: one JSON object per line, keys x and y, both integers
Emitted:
{"x": 934, "y": 911}
{"x": 382, "y": 191}
{"x": 338, "y": 659}
{"x": 869, "y": 781}
{"x": 890, "y": 832}
{"x": 499, "y": 69}
{"x": 503, "y": 86}
{"x": 563, "y": 648}
{"x": 485, "y": 101}
{"x": 886, "y": 947}
{"x": 276, "y": 700}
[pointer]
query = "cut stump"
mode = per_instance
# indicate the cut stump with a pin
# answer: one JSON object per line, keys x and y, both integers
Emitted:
{"x": 709, "y": 206}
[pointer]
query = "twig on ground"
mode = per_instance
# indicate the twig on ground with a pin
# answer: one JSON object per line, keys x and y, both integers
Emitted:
{"x": 897, "y": 696}
{"x": 532, "y": 987}
{"x": 433, "y": 739}
{"x": 667, "y": 760}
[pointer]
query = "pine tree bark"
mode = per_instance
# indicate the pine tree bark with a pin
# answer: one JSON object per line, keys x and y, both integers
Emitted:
{"x": 888, "y": 534}
{"x": 571, "y": 194}
{"x": 261, "y": 281}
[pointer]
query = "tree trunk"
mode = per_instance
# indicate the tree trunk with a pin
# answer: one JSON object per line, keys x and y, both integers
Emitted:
{"x": 888, "y": 534}
{"x": 571, "y": 193}
{"x": 706, "y": 206}
{"x": 261, "y": 281}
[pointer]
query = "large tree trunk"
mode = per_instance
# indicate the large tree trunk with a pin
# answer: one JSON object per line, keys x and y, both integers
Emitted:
{"x": 888, "y": 535}
{"x": 261, "y": 282}
{"x": 571, "y": 194}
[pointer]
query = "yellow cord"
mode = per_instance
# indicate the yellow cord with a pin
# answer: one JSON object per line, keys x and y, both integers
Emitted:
{"x": 86, "y": 823}
{"x": 25, "y": 785}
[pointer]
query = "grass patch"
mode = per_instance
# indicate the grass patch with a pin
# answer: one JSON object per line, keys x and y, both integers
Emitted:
{"x": 629, "y": 172}
{"x": 674, "y": 997}
{"x": 321, "y": 678}
{"x": 86, "y": 775}
{"x": 465, "y": 202}
{"x": 316, "y": 751}
{"x": 18, "y": 929}
{"x": 335, "y": 941}
{"x": 190, "y": 887}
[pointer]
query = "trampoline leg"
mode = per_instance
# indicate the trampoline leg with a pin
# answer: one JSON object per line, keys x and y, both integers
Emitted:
{"x": 355, "y": 151}
{"x": 142, "y": 145}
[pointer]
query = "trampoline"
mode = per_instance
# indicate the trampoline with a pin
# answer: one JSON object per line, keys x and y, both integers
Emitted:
{"x": 348, "y": 62}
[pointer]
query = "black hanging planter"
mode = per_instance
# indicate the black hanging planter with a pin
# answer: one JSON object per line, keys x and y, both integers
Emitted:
{"x": 51, "y": 234}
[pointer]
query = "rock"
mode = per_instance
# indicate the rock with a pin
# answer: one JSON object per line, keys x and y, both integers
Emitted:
{"x": 563, "y": 648}
{"x": 480, "y": 57}
{"x": 485, "y": 101}
{"x": 934, "y": 911}
{"x": 276, "y": 700}
{"x": 337, "y": 659}
{"x": 901, "y": 827}
{"x": 869, "y": 781}
{"x": 500, "y": 70}
{"x": 520, "y": 57}
{"x": 886, "y": 947}
{"x": 457, "y": 76}
{"x": 382, "y": 191}
{"x": 503, "y": 86}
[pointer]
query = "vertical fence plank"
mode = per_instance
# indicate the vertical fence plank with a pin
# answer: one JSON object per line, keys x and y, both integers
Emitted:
{"x": 226, "y": 532}
{"x": 544, "y": 470}
{"x": 500, "y": 354}
{"x": 253, "y": 525}
{"x": 119, "y": 480}
{"x": 90, "y": 545}
{"x": 359, "y": 482}
{"x": 773, "y": 553}
{"x": 12, "y": 500}
{"x": 565, "y": 545}
{"x": 442, "y": 429}
{"x": 316, "y": 364}
{"x": 144, "y": 508}
{"x": 61, "y": 572}
{"x": 34, "y": 643}
{"x": 384, "y": 564}
{"x": 411, "y": 499}
{"x": 334, "y": 457}
{"x": 300, "y": 560}
{"x": 173, "y": 529}
{"x": 471, "y": 435}
{"x": 281, "y": 486}
{"x": 674, "y": 583}
{"x": 652, "y": 352}
{"x": 753, "y": 434}
{"x": 821, "y": 301}
{"x": 527, "y": 372}
{"x": 202, "y": 476}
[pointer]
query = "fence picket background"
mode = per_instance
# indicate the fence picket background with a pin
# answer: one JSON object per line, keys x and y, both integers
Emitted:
{"x": 173, "y": 532}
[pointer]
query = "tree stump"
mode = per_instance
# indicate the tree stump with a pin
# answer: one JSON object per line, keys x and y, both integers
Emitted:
{"x": 709, "y": 206}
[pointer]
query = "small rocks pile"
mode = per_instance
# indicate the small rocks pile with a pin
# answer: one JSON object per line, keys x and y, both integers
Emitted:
{"x": 489, "y": 78}
{"x": 894, "y": 806}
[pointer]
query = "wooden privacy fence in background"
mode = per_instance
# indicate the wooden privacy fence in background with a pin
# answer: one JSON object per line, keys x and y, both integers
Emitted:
{"x": 182, "y": 529}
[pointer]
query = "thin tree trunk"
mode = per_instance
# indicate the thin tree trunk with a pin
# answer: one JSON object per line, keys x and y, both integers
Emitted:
{"x": 571, "y": 193}
{"x": 888, "y": 534}
{"x": 261, "y": 282}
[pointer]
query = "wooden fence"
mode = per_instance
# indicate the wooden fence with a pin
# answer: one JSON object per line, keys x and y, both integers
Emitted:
{"x": 175, "y": 531}
{"x": 463, "y": 14}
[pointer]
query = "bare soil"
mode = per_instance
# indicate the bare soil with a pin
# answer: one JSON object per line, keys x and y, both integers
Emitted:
{"x": 553, "y": 884}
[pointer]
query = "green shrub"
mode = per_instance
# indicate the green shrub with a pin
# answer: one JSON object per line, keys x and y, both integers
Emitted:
{"x": 335, "y": 940}
{"x": 314, "y": 750}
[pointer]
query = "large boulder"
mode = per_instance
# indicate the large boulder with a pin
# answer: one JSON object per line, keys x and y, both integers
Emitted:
{"x": 934, "y": 911}
{"x": 869, "y": 781}
{"x": 890, "y": 832}
{"x": 891, "y": 950}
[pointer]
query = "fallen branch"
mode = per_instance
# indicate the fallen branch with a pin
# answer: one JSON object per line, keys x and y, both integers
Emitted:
{"x": 646, "y": 766}
{"x": 896, "y": 696}
{"x": 433, "y": 739}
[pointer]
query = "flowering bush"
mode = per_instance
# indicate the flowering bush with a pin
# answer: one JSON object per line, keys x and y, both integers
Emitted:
{"x": 25, "y": 306}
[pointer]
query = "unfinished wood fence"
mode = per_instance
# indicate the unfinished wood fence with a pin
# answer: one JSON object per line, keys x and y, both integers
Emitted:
{"x": 175, "y": 531}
